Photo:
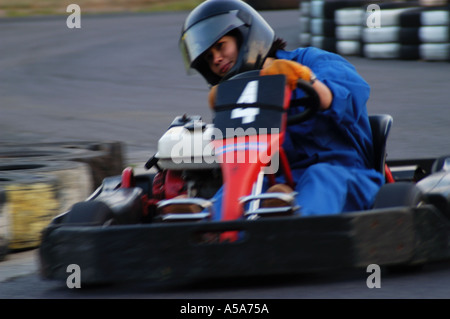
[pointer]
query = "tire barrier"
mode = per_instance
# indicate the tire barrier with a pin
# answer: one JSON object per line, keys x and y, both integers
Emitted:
{"x": 323, "y": 24}
{"x": 108, "y": 159}
{"x": 434, "y": 34}
{"x": 349, "y": 22}
{"x": 4, "y": 225}
{"x": 432, "y": 24}
{"x": 114, "y": 153}
{"x": 32, "y": 202}
{"x": 305, "y": 22}
{"x": 74, "y": 178}
{"x": 103, "y": 158}
{"x": 40, "y": 181}
{"x": 407, "y": 30}
{"x": 389, "y": 40}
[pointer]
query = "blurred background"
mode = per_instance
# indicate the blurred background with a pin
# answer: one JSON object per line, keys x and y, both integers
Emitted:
{"x": 15, "y": 8}
{"x": 113, "y": 86}
{"x": 411, "y": 29}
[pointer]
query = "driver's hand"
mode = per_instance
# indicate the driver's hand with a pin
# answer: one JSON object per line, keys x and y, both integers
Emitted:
{"x": 291, "y": 69}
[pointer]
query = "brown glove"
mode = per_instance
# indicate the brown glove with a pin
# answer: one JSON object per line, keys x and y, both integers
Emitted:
{"x": 291, "y": 69}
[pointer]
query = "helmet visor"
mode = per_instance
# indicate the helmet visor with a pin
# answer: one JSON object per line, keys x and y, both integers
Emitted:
{"x": 202, "y": 35}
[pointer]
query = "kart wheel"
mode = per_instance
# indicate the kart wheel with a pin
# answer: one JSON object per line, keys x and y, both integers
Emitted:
{"x": 398, "y": 194}
{"x": 89, "y": 213}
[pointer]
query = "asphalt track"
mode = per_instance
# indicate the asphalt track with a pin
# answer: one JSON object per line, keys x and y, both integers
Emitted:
{"x": 121, "y": 77}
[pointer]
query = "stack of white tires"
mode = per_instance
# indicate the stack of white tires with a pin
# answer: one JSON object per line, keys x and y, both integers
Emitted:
{"x": 378, "y": 29}
{"x": 349, "y": 26}
{"x": 322, "y": 23}
{"x": 434, "y": 34}
{"x": 388, "y": 38}
{"x": 305, "y": 22}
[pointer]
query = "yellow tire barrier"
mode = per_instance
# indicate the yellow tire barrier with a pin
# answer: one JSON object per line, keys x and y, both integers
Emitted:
{"x": 32, "y": 202}
{"x": 74, "y": 178}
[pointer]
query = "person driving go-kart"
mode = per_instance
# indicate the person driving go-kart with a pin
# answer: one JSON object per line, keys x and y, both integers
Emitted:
{"x": 330, "y": 154}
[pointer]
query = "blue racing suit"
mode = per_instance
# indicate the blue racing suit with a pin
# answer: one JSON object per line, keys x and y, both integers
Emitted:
{"x": 331, "y": 154}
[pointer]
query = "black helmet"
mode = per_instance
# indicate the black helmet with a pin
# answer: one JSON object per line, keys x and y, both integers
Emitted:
{"x": 213, "y": 19}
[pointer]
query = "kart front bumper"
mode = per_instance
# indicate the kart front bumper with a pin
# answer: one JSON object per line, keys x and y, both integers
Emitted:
{"x": 269, "y": 246}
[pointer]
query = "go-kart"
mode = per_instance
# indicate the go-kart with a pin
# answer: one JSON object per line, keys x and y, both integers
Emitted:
{"x": 162, "y": 225}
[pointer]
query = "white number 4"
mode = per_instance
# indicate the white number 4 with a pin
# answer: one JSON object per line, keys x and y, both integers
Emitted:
{"x": 248, "y": 114}
{"x": 249, "y": 95}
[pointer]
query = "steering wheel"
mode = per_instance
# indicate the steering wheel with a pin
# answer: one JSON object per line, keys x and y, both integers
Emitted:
{"x": 311, "y": 100}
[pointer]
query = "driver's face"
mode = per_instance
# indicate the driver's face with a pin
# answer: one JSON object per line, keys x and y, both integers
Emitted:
{"x": 222, "y": 56}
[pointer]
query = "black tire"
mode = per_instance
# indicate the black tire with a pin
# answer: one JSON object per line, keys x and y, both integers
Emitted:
{"x": 399, "y": 194}
{"x": 411, "y": 18}
{"x": 409, "y": 52}
{"x": 409, "y": 36}
{"x": 89, "y": 213}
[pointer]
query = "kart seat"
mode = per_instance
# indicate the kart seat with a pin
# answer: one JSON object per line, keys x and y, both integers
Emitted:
{"x": 380, "y": 125}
